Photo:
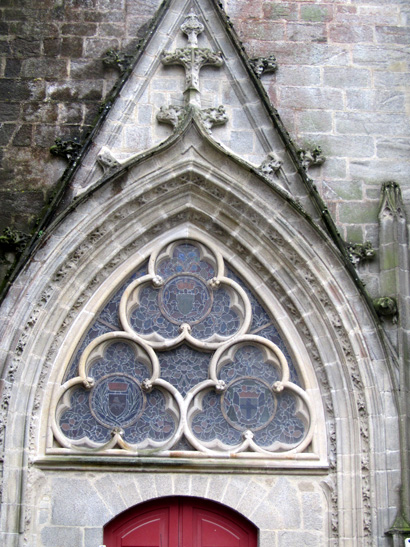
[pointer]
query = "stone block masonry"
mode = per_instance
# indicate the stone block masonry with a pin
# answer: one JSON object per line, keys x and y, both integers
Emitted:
{"x": 52, "y": 82}
{"x": 342, "y": 82}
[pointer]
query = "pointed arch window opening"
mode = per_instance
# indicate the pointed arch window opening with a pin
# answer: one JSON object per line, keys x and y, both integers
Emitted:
{"x": 183, "y": 357}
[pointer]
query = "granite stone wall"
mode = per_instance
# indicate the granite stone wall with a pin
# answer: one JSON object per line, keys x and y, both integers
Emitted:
{"x": 342, "y": 84}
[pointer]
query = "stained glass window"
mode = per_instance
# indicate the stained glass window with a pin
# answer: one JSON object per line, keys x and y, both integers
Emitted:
{"x": 183, "y": 357}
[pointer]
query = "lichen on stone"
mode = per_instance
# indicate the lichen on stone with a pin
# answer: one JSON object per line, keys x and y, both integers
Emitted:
{"x": 68, "y": 149}
{"x": 358, "y": 252}
{"x": 117, "y": 59}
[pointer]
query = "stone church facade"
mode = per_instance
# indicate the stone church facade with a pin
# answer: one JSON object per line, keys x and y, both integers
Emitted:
{"x": 213, "y": 306}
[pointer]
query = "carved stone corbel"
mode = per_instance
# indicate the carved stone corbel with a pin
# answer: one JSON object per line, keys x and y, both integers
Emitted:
{"x": 171, "y": 114}
{"x": 68, "y": 149}
{"x": 263, "y": 65}
{"x": 271, "y": 165}
{"x": 359, "y": 252}
{"x": 385, "y": 306}
{"x": 311, "y": 157}
{"x": 117, "y": 59}
{"x": 107, "y": 160}
{"x": 213, "y": 116}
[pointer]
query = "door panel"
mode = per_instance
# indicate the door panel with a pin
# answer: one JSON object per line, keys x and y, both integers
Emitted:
{"x": 212, "y": 529}
{"x": 213, "y": 534}
{"x": 151, "y": 527}
{"x": 180, "y": 522}
{"x": 151, "y": 533}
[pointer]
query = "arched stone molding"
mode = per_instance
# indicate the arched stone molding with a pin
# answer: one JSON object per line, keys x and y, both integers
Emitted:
{"x": 259, "y": 230}
{"x": 293, "y": 506}
{"x": 300, "y": 355}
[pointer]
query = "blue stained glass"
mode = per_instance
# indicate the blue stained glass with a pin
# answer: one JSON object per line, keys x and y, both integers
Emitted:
{"x": 272, "y": 334}
{"x": 119, "y": 357}
{"x": 248, "y": 404}
{"x": 249, "y": 361}
{"x": 147, "y": 317}
{"x": 155, "y": 422}
{"x": 259, "y": 316}
{"x": 107, "y": 321}
{"x": 210, "y": 424}
{"x": 185, "y": 258}
{"x": 285, "y": 427}
{"x": 184, "y": 367}
{"x": 78, "y": 422}
{"x": 222, "y": 320}
{"x": 96, "y": 330}
{"x": 117, "y": 400}
{"x": 185, "y": 299}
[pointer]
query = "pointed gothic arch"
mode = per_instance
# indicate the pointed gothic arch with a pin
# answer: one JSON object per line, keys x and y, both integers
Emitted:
{"x": 306, "y": 281}
{"x": 190, "y": 187}
{"x": 244, "y": 332}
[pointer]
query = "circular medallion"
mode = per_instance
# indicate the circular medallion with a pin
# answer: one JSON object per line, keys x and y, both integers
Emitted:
{"x": 248, "y": 403}
{"x": 185, "y": 299}
{"x": 117, "y": 401}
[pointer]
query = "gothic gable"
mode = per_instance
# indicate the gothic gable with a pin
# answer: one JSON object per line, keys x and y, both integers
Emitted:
{"x": 193, "y": 65}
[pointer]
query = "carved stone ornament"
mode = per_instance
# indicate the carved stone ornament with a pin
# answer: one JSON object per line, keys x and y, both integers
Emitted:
{"x": 13, "y": 241}
{"x": 271, "y": 165}
{"x": 192, "y": 58}
{"x": 107, "y": 160}
{"x": 391, "y": 200}
{"x": 313, "y": 157}
{"x": 263, "y": 65}
{"x": 385, "y": 306}
{"x": 184, "y": 364}
{"x": 117, "y": 59}
{"x": 359, "y": 252}
{"x": 171, "y": 114}
{"x": 213, "y": 116}
{"x": 68, "y": 149}
{"x": 192, "y": 27}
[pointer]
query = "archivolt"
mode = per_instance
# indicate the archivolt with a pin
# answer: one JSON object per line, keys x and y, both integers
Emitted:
{"x": 259, "y": 232}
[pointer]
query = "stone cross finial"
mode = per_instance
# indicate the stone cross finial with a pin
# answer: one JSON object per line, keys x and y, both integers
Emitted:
{"x": 192, "y": 26}
{"x": 192, "y": 58}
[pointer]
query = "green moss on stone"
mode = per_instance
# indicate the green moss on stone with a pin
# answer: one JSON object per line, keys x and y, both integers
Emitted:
{"x": 347, "y": 190}
{"x": 390, "y": 258}
{"x": 314, "y": 14}
{"x": 354, "y": 234}
{"x": 358, "y": 212}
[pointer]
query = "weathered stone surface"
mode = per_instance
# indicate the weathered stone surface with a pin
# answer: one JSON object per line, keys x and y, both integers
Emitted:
{"x": 289, "y": 539}
{"x": 76, "y": 503}
{"x": 93, "y": 537}
{"x": 61, "y": 536}
{"x": 342, "y": 72}
{"x": 346, "y": 77}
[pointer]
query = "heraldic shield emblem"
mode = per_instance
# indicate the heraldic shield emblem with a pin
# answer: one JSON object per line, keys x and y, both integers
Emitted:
{"x": 117, "y": 401}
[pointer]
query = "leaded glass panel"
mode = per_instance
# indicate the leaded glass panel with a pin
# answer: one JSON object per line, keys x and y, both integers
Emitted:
{"x": 183, "y": 357}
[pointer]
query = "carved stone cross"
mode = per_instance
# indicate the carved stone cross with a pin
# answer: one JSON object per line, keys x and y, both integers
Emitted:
{"x": 192, "y": 58}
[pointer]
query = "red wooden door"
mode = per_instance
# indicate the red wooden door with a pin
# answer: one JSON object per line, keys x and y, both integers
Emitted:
{"x": 180, "y": 522}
